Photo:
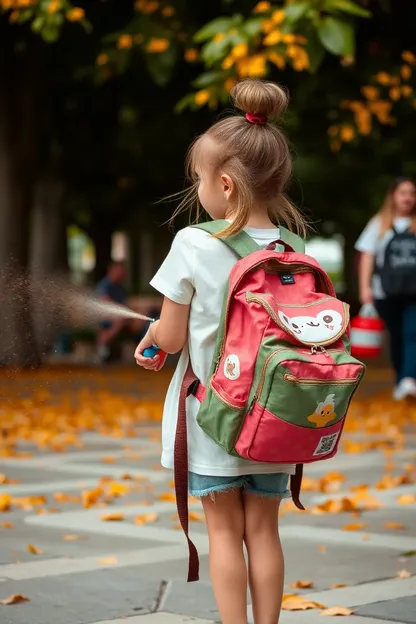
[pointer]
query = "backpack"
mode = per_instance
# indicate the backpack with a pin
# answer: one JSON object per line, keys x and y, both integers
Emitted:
{"x": 282, "y": 375}
{"x": 398, "y": 273}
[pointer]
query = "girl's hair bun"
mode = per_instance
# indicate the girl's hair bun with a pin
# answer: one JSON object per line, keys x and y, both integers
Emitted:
{"x": 260, "y": 98}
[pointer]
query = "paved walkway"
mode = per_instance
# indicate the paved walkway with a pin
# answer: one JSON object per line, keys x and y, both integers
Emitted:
{"x": 130, "y": 569}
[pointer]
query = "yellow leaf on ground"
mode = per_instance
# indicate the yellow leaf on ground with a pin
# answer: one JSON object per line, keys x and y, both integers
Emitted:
{"x": 112, "y": 517}
{"x": 334, "y": 611}
{"x": 3, "y": 478}
{"x": 111, "y": 560}
{"x": 70, "y": 537}
{"x": 146, "y": 519}
{"x": 8, "y": 525}
{"x": 34, "y": 550}
{"x": 118, "y": 489}
{"x": 14, "y": 599}
{"x": 406, "y": 499}
{"x": 196, "y": 516}
{"x": 109, "y": 460}
{"x": 91, "y": 497}
{"x": 5, "y": 502}
{"x": 394, "y": 525}
{"x": 302, "y": 584}
{"x": 322, "y": 549}
{"x": 297, "y": 603}
{"x": 168, "y": 497}
{"x": 357, "y": 526}
{"x": 337, "y": 585}
{"x": 404, "y": 574}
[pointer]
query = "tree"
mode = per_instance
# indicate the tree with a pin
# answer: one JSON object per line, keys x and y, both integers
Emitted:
{"x": 89, "y": 91}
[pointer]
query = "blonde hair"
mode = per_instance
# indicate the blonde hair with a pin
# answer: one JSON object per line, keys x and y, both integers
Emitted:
{"x": 387, "y": 212}
{"x": 256, "y": 157}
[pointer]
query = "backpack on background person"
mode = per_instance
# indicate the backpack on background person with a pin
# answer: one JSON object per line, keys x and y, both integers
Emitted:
{"x": 398, "y": 273}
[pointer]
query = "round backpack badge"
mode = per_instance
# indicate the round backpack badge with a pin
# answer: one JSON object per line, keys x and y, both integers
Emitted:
{"x": 232, "y": 367}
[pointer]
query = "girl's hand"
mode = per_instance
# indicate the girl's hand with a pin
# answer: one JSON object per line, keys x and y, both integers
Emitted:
{"x": 155, "y": 363}
{"x": 366, "y": 295}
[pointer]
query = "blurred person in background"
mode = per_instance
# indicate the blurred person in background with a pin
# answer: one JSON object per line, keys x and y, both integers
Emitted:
{"x": 387, "y": 278}
{"x": 111, "y": 288}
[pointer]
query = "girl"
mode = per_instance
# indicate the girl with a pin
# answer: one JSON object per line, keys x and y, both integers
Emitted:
{"x": 239, "y": 168}
{"x": 397, "y": 215}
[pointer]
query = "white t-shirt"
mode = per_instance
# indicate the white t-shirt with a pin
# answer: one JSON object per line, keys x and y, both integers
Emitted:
{"x": 371, "y": 242}
{"x": 195, "y": 272}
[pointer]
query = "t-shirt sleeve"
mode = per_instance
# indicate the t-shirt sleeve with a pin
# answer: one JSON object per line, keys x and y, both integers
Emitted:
{"x": 367, "y": 242}
{"x": 175, "y": 278}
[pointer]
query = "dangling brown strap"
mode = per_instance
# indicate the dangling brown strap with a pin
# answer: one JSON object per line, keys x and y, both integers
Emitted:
{"x": 295, "y": 485}
{"x": 189, "y": 386}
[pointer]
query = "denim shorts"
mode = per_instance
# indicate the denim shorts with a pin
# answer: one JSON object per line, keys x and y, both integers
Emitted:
{"x": 267, "y": 485}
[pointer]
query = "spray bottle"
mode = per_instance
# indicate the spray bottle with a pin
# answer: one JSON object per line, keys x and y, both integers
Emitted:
{"x": 154, "y": 350}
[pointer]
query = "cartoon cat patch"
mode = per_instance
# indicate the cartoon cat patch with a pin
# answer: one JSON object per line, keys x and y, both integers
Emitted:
{"x": 324, "y": 328}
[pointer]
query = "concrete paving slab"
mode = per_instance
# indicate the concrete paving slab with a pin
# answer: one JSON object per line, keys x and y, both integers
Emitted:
{"x": 399, "y": 610}
{"x": 195, "y": 599}
{"x": 86, "y": 598}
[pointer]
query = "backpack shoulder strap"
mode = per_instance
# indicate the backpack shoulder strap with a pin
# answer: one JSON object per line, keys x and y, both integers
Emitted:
{"x": 296, "y": 242}
{"x": 242, "y": 244}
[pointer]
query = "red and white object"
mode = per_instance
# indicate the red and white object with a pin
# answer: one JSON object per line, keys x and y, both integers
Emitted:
{"x": 367, "y": 333}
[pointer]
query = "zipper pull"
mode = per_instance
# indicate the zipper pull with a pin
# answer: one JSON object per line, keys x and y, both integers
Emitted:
{"x": 314, "y": 349}
{"x": 324, "y": 351}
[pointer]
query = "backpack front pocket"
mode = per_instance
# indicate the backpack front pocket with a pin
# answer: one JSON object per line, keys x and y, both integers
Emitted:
{"x": 298, "y": 410}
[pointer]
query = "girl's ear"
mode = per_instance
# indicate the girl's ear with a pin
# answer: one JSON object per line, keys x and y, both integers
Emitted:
{"x": 227, "y": 186}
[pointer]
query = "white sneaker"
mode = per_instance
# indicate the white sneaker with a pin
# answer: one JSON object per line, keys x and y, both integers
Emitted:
{"x": 407, "y": 387}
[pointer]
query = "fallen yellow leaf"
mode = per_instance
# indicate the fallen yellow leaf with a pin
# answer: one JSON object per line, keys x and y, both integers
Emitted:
{"x": 337, "y": 585}
{"x": 322, "y": 549}
{"x": 113, "y": 517}
{"x": 34, "y": 550}
{"x": 394, "y": 525}
{"x": 70, "y": 537}
{"x": 109, "y": 460}
{"x": 404, "y": 574}
{"x": 302, "y": 584}
{"x": 5, "y": 502}
{"x": 108, "y": 560}
{"x": 14, "y": 599}
{"x": 297, "y": 603}
{"x": 118, "y": 489}
{"x": 334, "y": 611}
{"x": 406, "y": 499}
{"x": 196, "y": 516}
{"x": 8, "y": 525}
{"x": 146, "y": 518}
{"x": 358, "y": 526}
{"x": 168, "y": 497}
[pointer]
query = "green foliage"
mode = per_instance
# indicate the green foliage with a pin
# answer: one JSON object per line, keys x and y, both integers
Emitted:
{"x": 337, "y": 36}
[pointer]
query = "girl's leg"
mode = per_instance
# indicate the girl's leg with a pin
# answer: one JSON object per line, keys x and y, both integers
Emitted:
{"x": 225, "y": 520}
{"x": 265, "y": 557}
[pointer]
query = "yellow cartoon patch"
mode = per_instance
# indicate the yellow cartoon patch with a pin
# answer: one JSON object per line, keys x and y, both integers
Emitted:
{"x": 324, "y": 413}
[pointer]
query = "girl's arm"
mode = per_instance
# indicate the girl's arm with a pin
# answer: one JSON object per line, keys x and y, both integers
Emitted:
{"x": 169, "y": 333}
{"x": 365, "y": 274}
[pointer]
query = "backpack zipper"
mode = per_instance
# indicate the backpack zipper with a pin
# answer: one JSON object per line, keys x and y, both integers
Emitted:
{"x": 266, "y": 305}
{"x": 260, "y": 385}
{"x": 292, "y": 379}
{"x": 319, "y": 382}
{"x": 226, "y": 403}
